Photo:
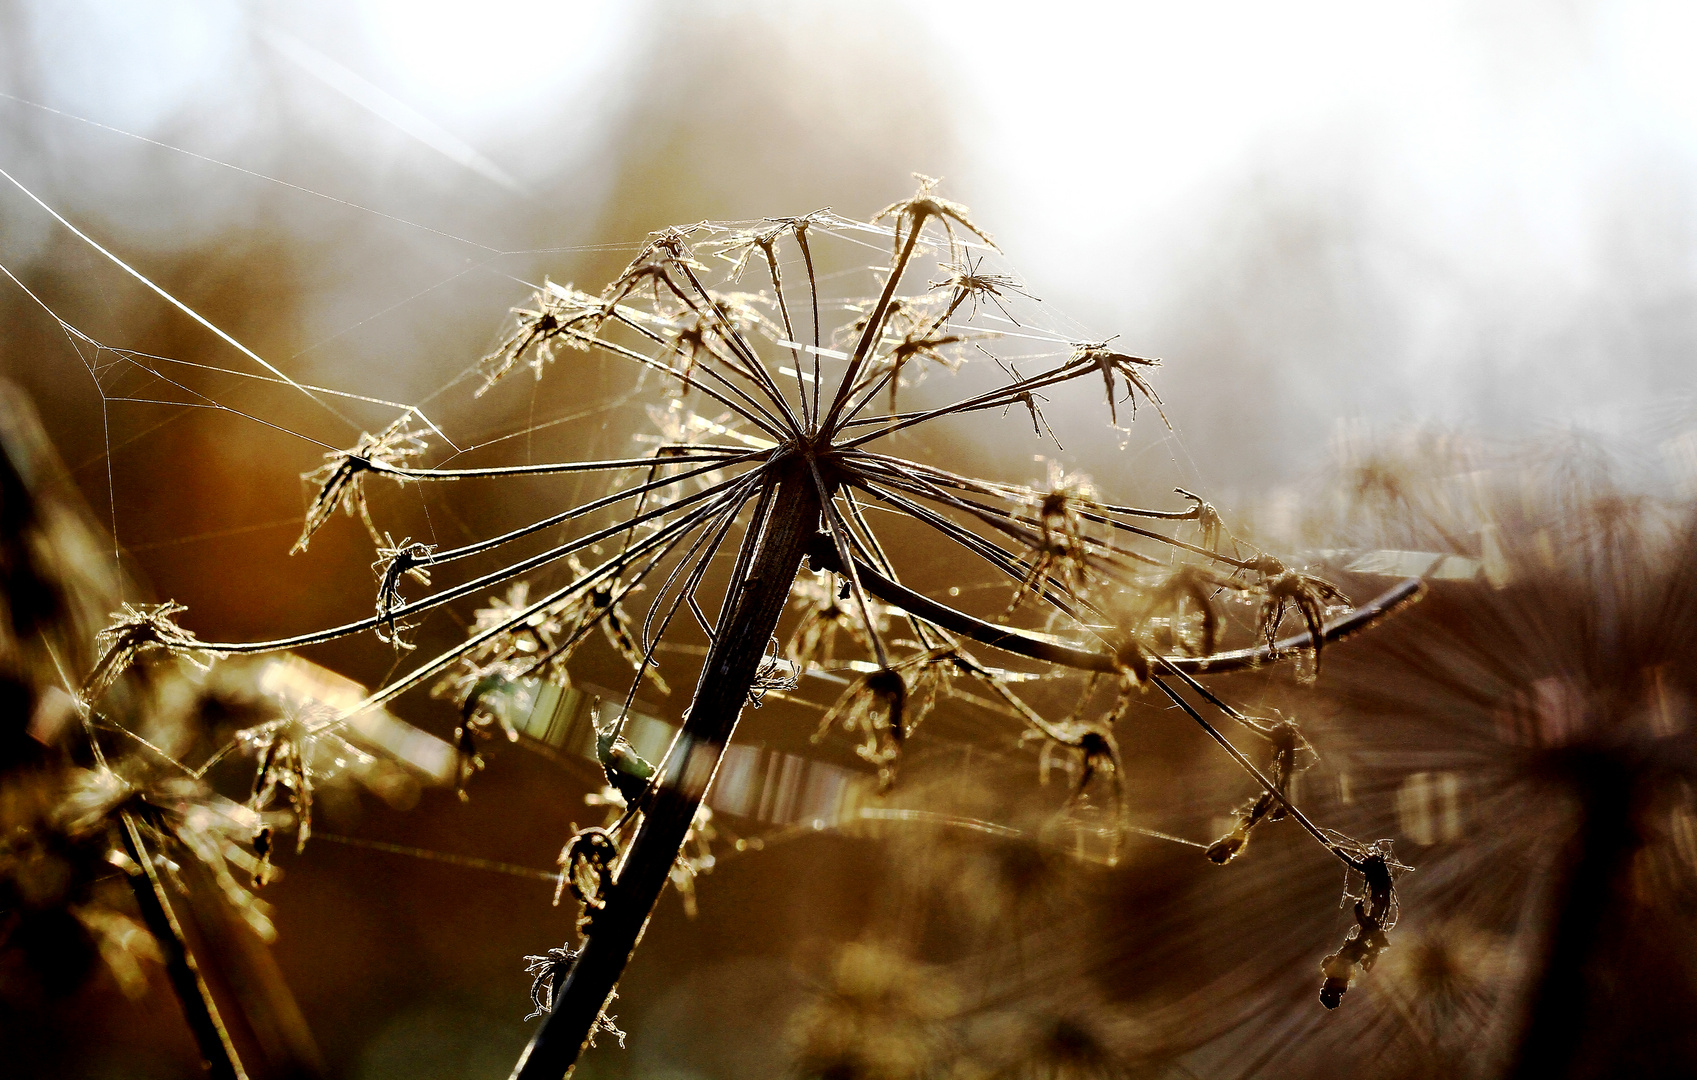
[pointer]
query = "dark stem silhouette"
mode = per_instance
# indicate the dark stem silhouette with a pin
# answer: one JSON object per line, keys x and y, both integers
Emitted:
{"x": 771, "y": 555}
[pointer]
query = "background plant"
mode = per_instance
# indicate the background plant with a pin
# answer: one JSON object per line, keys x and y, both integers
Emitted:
{"x": 1530, "y": 725}
{"x": 115, "y": 856}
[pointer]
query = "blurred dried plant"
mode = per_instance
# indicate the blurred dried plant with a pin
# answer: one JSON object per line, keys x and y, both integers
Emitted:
{"x": 118, "y": 850}
{"x": 109, "y": 845}
{"x": 1530, "y": 728}
{"x": 1527, "y": 731}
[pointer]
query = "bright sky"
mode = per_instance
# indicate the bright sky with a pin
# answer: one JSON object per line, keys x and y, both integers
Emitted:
{"x": 1494, "y": 125}
{"x": 1498, "y": 174}
{"x": 1508, "y": 190}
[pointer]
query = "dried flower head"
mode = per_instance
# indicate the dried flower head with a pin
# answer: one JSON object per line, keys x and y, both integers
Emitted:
{"x": 1291, "y": 753}
{"x": 561, "y": 314}
{"x": 407, "y": 559}
{"x": 968, "y": 283}
{"x": 874, "y": 710}
{"x": 134, "y": 631}
{"x": 1290, "y": 590}
{"x": 925, "y": 205}
{"x": 1062, "y": 551}
{"x": 341, "y": 479}
{"x": 1096, "y": 356}
{"x": 828, "y": 612}
{"x": 781, "y": 455}
{"x": 1375, "y": 913}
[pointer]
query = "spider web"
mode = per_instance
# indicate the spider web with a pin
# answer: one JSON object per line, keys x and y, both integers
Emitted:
{"x": 308, "y": 408}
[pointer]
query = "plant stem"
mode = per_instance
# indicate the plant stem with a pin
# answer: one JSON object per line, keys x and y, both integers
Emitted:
{"x": 772, "y": 551}
{"x": 1054, "y": 650}
{"x": 874, "y": 326}
{"x": 210, "y": 1034}
{"x": 1598, "y": 860}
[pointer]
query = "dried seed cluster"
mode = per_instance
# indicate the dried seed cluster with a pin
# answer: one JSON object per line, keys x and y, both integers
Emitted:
{"x": 1131, "y": 594}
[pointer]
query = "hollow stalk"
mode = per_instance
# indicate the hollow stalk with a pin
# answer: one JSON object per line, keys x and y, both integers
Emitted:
{"x": 772, "y": 551}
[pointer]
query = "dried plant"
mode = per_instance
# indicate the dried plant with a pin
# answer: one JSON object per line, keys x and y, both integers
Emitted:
{"x": 340, "y": 481}
{"x": 783, "y": 446}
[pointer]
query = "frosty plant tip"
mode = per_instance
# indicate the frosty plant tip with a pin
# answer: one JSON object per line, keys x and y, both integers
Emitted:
{"x": 786, "y": 404}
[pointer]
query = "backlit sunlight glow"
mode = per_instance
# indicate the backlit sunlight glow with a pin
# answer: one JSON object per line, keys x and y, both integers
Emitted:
{"x": 494, "y": 61}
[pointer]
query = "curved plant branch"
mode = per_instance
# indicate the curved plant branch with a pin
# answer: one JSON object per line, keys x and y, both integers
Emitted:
{"x": 1051, "y": 649}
